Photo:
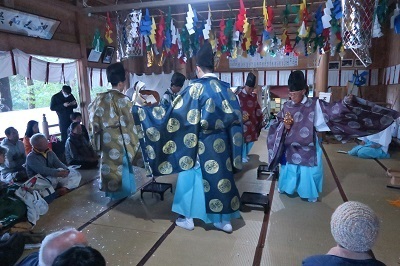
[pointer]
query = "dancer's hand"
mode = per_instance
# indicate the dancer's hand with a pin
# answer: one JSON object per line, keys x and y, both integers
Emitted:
{"x": 288, "y": 120}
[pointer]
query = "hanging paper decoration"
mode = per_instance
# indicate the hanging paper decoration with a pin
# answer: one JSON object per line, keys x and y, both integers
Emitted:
{"x": 175, "y": 40}
{"x": 267, "y": 25}
{"x": 247, "y": 36}
{"x": 152, "y": 35}
{"x": 333, "y": 42}
{"x": 212, "y": 40}
{"x": 168, "y": 33}
{"x": 325, "y": 35}
{"x": 327, "y": 17}
{"x": 109, "y": 31}
{"x": 241, "y": 18}
{"x": 285, "y": 15}
{"x": 174, "y": 33}
{"x": 376, "y": 30}
{"x": 253, "y": 39}
{"x": 265, "y": 14}
{"x": 337, "y": 9}
{"x": 189, "y": 19}
{"x": 207, "y": 26}
{"x": 318, "y": 18}
{"x": 229, "y": 34}
{"x": 145, "y": 25}
{"x": 270, "y": 19}
{"x": 185, "y": 41}
{"x": 160, "y": 32}
{"x": 304, "y": 12}
{"x": 222, "y": 38}
{"x": 288, "y": 46}
{"x": 130, "y": 41}
{"x": 98, "y": 43}
{"x": 196, "y": 39}
{"x": 396, "y": 12}
{"x": 397, "y": 24}
{"x": 134, "y": 17}
{"x": 303, "y": 30}
{"x": 382, "y": 11}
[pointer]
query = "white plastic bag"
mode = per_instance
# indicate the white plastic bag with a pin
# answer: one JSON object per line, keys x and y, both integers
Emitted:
{"x": 42, "y": 184}
{"x": 74, "y": 178}
{"x": 34, "y": 202}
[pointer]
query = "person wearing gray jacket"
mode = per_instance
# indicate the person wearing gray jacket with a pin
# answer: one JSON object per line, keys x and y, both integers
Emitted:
{"x": 41, "y": 160}
{"x": 12, "y": 169}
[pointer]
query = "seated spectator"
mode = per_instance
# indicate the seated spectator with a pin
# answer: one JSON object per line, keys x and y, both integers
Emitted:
{"x": 3, "y": 152}
{"x": 41, "y": 160}
{"x": 80, "y": 256}
{"x": 374, "y": 146}
{"x": 78, "y": 150}
{"x": 13, "y": 168}
{"x": 31, "y": 128}
{"x": 53, "y": 245}
{"x": 355, "y": 227}
{"x": 77, "y": 117}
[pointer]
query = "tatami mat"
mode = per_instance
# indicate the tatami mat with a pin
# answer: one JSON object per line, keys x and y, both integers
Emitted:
{"x": 296, "y": 229}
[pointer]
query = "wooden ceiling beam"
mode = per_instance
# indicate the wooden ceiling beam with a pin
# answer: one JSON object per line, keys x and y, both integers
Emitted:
{"x": 151, "y": 4}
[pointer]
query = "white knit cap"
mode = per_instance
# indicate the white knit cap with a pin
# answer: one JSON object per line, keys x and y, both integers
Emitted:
{"x": 355, "y": 226}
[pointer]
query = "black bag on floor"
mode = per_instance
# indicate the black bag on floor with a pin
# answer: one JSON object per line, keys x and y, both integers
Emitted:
{"x": 11, "y": 249}
{"x": 12, "y": 209}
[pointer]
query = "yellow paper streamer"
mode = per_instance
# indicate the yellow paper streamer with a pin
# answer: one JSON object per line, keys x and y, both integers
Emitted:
{"x": 153, "y": 31}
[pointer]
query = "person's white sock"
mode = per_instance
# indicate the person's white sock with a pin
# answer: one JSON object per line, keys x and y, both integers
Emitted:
{"x": 225, "y": 226}
{"x": 185, "y": 223}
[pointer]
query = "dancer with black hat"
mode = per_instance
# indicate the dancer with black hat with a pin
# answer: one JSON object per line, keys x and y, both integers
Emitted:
{"x": 292, "y": 139}
{"x": 111, "y": 127}
{"x": 200, "y": 136}
{"x": 251, "y": 114}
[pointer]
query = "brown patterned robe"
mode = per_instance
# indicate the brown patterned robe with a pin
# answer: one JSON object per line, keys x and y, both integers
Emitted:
{"x": 111, "y": 124}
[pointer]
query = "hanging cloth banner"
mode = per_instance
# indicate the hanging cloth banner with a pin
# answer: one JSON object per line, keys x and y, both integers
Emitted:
{"x": 7, "y": 64}
{"x": 97, "y": 77}
{"x": 36, "y": 69}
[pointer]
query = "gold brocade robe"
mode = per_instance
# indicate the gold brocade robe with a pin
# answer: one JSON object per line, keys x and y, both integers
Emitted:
{"x": 111, "y": 124}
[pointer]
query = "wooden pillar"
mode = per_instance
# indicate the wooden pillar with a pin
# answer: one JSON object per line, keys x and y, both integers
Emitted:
{"x": 321, "y": 75}
{"x": 82, "y": 65}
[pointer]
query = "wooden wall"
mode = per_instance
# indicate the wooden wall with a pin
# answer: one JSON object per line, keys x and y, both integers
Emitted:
{"x": 72, "y": 32}
{"x": 386, "y": 53}
{"x": 76, "y": 30}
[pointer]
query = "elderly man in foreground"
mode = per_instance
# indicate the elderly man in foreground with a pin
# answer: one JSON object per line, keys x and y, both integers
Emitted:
{"x": 53, "y": 245}
{"x": 41, "y": 160}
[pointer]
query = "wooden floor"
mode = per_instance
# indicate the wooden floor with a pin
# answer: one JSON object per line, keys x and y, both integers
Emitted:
{"x": 137, "y": 231}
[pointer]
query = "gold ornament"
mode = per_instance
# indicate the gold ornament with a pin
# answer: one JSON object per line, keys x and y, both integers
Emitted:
{"x": 150, "y": 58}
